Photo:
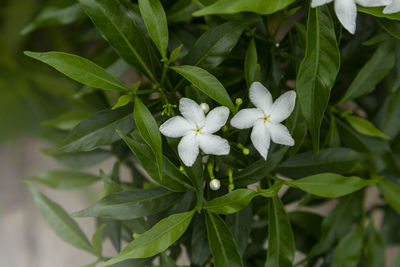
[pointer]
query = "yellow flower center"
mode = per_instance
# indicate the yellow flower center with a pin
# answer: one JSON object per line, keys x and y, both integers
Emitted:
{"x": 197, "y": 131}
{"x": 266, "y": 118}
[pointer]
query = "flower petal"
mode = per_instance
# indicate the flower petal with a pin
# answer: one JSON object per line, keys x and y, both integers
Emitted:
{"x": 188, "y": 149}
{"x": 280, "y": 134}
{"x": 346, "y": 11}
{"x": 260, "y": 97}
{"x": 213, "y": 144}
{"x": 191, "y": 111}
{"x": 260, "y": 138}
{"x": 373, "y": 3}
{"x": 246, "y": 118}
{"x": 394, "y": 7}
{"x": 215, "y": 119}
{"x": 176, "y": 126}
{"x": 316, "y": 3}
{"x": 283, "y": 106}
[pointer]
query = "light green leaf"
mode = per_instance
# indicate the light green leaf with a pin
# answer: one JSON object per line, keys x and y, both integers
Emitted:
{"x": 207, "y": 83}
{"x": 175, "y": 54}
{"x": 349, "y": 250}
{"x": 59, "y": 220}
{"x": 231, "y": 202}
{"x": 222, "y": 243}
{"x": 365, "y": 127}
{"x": 234, "y": 6}
{"x": 132, "y": 204}
{"x": 121, "y": 27}
{"x": 157, "y": 239}
{"x": 80, "y": 70}
{"x": 377, "y": 12}
{"x": 96, "y": 131}
{"x": 281, "y": 245}
{"x": 318, "y": 70}
{"x": 156, "y": 22}
{"x": 148, "y": 128}
{"x": 391, "y": 193}
{"x": 97, "y": 240}
{"x": 65, "y": 179}
{"x": 122, "y": 101}
{"x": 376, "y": 68}
{"x": 330, "y": 184}
{"x": 66, "y": 121}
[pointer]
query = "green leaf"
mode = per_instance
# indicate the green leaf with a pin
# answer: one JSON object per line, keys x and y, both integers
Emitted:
{"x": 59, "y": 220}
{"x": 122, "y": 101}
{"x": 131, "y": 204}
{"x": 80, "y": 70}
{"x": 222, "y": 243}
{"x": 365, "y": 127}
{"x": 387, "y": 119}
{"x": 377, "y": 12}
{"x": 199, "y": 250}
{"x": 251, "y": 67}
{"x": 376, "y": 68}
{"x": 339, "y": 160}
{"x": 240, "y": 224}
{"x": 167, "y": 261}
{"x": 375, "y": 248}
{"x": 231, "y": 202}
{"x": 121, "y": 28}
{"x": 349, "y": 250}
{"x": 148, "y": 128}
{"x": 206, "y": 83}
{"x": 65, "y": 179}
{"x": 157, "y": 239}
{"x": 181, "y": 11}
{"x": 318, "y": 69}
{"x": 281, "y": 245}
{"x": 173, "y": 178}
{"x": 330, "y": 184}
{"x": 66, "y": 121}
{"x": 214, "y": 46}
{"x": 234, "y": 6}
{"x": 156, "y": 23}
{"x": 390, "y": 26}
{"x": 97, "y": 131}
{"x": 97, "y": 240}
{"x": 391, "y": 193}
{"x": 175, "y": 54}
{"x": 54, "y": 14}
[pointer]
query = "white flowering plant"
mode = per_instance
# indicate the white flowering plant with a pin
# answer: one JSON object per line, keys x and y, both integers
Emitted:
{"x": 241, "y": 132}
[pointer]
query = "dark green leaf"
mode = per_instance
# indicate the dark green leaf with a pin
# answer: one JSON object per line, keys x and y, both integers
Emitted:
{"x": 66, "y": 121}
{"x": 376, "y": 68}
{"x": 157, "y": 239}
{"x": 349, "y": 250}
{"x": 339, "y": 160}
{"x": 199, "y": 251}
{"x": 377, "y": 12}
{"x": 391, "y": 193}
{"x": 318, "y": 70}
{"x": 132, "y": 204}
{"x": 365, "y": 127}
{"x": 281, "y": 245}
{"x": 375, "y": 248}
{"x": 98, "y": 130}
{"x": 156, "y": 22}
{"x": 97, "y": 240}
{"x": 390, "y": 26}
{"x": 251, "y": 66}
{"x": 330, "y": 184}
{"x": 148, "y": 128}
{"x": 231, "y": 202}
{"x": 120, "y": 27}
{"x": 240, "y": 224}
{"x": 167, "y": 261}
{"x": 222, "y": 243}
{"x": 207, "y": 83}
{"x": 235, "y": 6}
{"x": 59, "y": 220}
{"x": 79, "y": 69}
{"x": 65, "y": 179}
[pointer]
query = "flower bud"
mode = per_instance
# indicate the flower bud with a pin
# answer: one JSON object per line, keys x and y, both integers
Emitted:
{"x": 246, "y": 151}
{"x": 239, "y": 101}
{"x": 215, "y": 184}
{"x": 205, "y": 107}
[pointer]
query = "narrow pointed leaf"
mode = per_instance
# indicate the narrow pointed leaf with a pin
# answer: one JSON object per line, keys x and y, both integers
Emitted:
{"x": 80, "y": 69}
{"x": 222, "y": 243}
{"x": 375, "y": 248}
{"x": 157, "y": 239}
{"x": 318, "y": 70}
{"x": 391, "y": 193}
{"x": 231, "y": 202}
{"x": 97, "y": 240}
{"x": 365, "y": 127}
{"x": 131, "y": 204}
{"x": 207, "y": 83}
{"x": 251, "y": 66}
{"x": 65, "y": 179}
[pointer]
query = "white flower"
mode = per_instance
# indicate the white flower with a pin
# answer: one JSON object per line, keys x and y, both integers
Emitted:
{"x": 197, "y": 131}
{"x": 394, "y": 7}
{"x": 215, "y": 184}
{"x": 346, "y": 10}
{"x": 266, "y": 118}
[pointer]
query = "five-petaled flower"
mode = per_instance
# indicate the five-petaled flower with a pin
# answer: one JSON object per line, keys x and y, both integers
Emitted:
{"x": 266, "y": 118}
{"x": 346, "y": 10}
{"x": 394, "y": 7}
{"x": 197, "y": 131}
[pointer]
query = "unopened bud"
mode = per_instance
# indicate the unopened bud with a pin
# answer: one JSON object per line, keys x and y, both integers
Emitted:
{"x": 205, "y": 107}
{"x": 239, "y": 101}
{"x": 246, "y": 151}
{"x": 215, "y": 184}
